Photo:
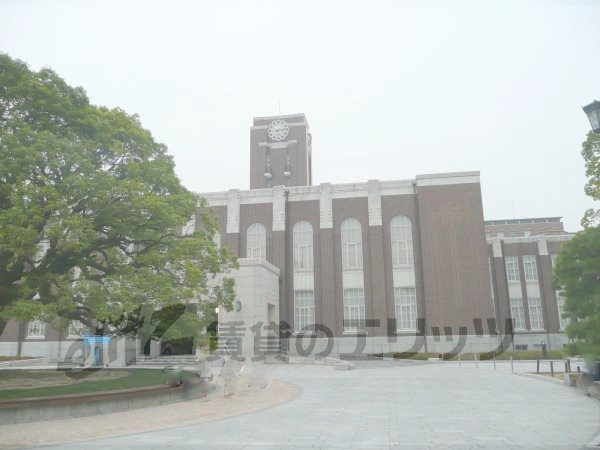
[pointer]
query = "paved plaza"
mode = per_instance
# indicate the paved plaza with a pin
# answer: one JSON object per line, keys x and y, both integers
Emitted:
{"x": 381, "y": 405}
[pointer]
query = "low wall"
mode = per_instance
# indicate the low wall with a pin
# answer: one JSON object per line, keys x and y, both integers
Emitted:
{"x": 80, "y": 405}
{"x": 335, "y": 346}
{"x": 594, "y": 389}
{"x": 24, "y": 362}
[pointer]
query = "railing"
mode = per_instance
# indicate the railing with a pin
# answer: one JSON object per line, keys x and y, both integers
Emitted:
{"x": 538, "y": 366}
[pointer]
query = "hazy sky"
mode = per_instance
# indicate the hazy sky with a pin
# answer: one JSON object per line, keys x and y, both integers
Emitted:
{"x": 390, "y": 89}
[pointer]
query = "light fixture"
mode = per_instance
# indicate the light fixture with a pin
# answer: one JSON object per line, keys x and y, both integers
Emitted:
{"x": 268, "y": 174}
{"x": 593, "y": 112}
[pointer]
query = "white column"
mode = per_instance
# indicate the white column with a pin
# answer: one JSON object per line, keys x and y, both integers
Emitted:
{"x": 374, "y": 203}
{"x": 278, "y": 208}
{"x": 326, "y": 206}
{"x": 233, "y": 211}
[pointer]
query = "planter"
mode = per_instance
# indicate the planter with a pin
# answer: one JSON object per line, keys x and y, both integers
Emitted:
{"x": 89, "y": 404}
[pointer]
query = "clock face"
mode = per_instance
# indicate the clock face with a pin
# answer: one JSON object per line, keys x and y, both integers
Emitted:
{"x": 278, "y": 130}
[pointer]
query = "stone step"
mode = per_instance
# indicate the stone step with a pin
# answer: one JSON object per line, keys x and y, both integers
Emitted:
{"x": 183, "y": 360}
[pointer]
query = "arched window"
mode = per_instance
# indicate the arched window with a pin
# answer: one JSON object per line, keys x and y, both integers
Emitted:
{"x": 351, "y": 244}
{"x": 217, "y": 239}
{"x": 257, "y": 241}
{"x": 402, "y": 246}
{"x": 303, "y": 245}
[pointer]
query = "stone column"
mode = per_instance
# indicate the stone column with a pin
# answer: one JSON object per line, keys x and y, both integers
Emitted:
{"x": 378, "y": 287}
{"x": 326, "y": 254}
{"x": 232, "y": 238}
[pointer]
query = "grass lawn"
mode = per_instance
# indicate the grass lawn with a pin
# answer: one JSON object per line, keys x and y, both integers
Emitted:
{"x": 79, "y": 381}
{"x": 14, "y": 358}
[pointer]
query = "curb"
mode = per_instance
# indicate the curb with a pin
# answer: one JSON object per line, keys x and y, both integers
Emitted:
{"x": 540, "y": 378}
{"x": 594, "y": 443}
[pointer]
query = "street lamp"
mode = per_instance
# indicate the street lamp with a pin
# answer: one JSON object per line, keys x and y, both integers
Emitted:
{"x": 593, "y": 112}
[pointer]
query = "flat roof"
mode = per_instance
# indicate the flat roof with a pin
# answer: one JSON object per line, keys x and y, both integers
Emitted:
{"x": 523, "y": 221}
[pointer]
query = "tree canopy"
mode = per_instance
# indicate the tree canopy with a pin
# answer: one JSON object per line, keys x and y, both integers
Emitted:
{"x": 577, "y": 269}
{"x": 91, "y": 211}
{"x": 591, "y": 156}
{"x": 577, "y": 272}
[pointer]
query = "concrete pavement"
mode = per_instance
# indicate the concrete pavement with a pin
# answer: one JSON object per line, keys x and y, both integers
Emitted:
{"x": 387, "y": 406}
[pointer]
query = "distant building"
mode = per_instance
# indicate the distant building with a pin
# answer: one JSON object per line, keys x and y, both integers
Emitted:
{"x": 368, "y": 267}
{"x": 524, "y": 227}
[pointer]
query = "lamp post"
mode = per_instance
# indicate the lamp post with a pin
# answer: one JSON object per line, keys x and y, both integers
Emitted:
{"x": 593, "y": 112}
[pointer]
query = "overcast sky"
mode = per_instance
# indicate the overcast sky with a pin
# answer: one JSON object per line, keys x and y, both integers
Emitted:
{"x": 390, "y": 89}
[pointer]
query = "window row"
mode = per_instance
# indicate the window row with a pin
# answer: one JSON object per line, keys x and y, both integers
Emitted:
{"x": 536, "y": 317}
{"x": 351, "y": 239}
{"x": 354, "y": 321}
{"x": 529, "y": 268}
{"x": 37, "y": 329}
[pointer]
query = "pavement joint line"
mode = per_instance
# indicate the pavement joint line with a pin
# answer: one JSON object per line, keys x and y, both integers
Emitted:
{"x": 595, "y": 442}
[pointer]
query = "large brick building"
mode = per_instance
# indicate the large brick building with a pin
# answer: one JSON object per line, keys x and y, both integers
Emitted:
{"x": 372, "y": 266}
{"x": 388, "y": 265}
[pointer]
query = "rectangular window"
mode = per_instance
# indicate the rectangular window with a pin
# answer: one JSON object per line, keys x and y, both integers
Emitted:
{"x": 491, "y": 277}
{"x": 517, "y": 313}
{"x": 521, "y": 347}
{"x": 303, "y": 257}
{"x": 535, "y": 313}
{"x": 352, "y": 255}
{"x": 217, "y": 239}
{"x": 530, "y": 266}
{"x": 36, "y": 329}
{"x": 563, "y": 321}
{"x": 512, "y": 268}
{"x": 76, "y": 329}
{"x": 354, "y": 310}
{"x": 304, "y": 311}
{"x": 406, "y": 308}
{"x": 402, "y": 253}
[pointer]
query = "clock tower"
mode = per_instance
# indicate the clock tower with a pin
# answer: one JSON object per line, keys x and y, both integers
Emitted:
{"x": 280, "y": 152}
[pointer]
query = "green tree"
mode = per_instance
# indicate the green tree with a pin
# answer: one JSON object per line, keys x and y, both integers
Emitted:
{"x": 577, "y": 270}
{"x": 91, "y": 213}
{"x": 577, "y": 275}
{"x": 591, "y": 156}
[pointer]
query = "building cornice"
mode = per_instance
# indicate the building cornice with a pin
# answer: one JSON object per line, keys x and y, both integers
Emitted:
{"x": 245, "y": 262}
{"x": 532, "y": 239}
{"x": 440, "y": 179}
{"x": 290, "y": 124}
{"x": 345, "y": 190}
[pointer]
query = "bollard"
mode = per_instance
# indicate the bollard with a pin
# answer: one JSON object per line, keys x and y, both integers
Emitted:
{"x": 459, "y": 363}
{"x": 552, "y": 368}
{"x": 186, "y": 387}
{"x": 538, "y": 367}
{"x": 476, "y": 360}
{"x": 512, "y": 365}
{"x": 494, "y": 356}
{"x": 569, "y": 364}
{"x": 566, "y": 367}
